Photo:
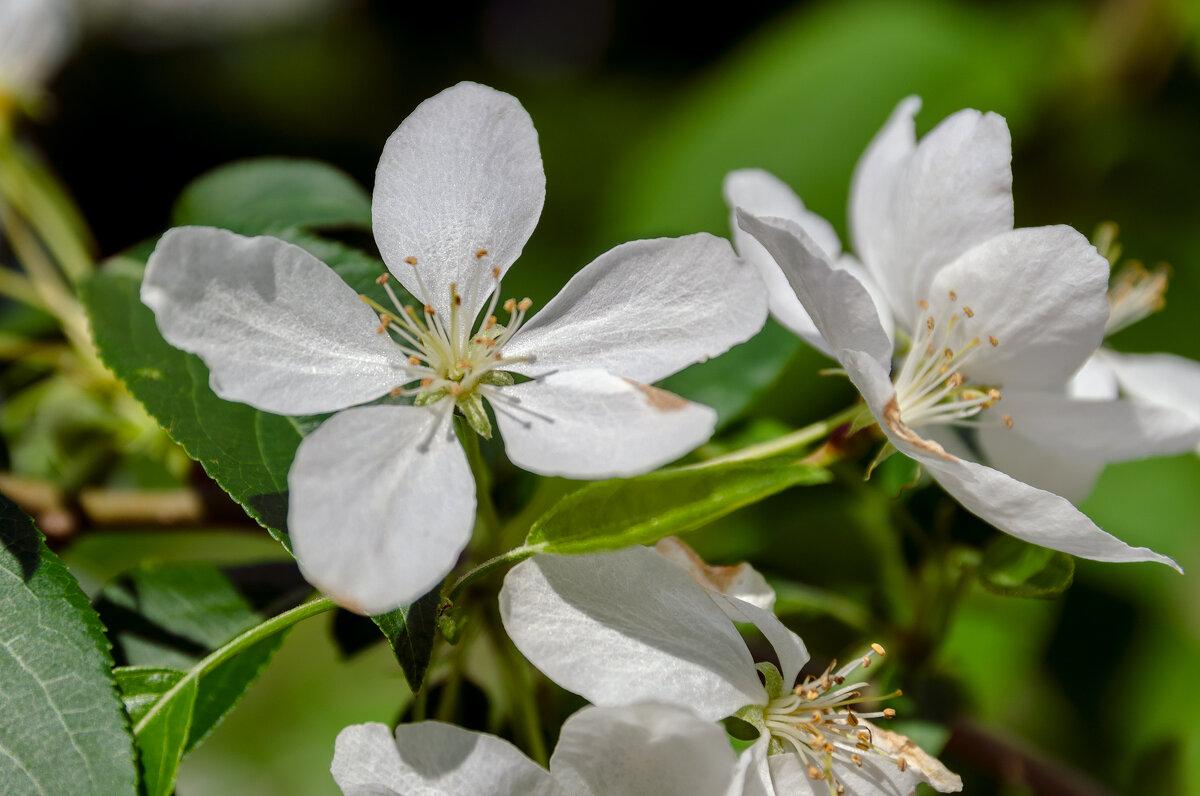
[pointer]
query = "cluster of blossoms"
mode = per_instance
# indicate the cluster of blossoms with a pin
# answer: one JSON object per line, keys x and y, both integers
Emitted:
{"x": 964, "y": 336}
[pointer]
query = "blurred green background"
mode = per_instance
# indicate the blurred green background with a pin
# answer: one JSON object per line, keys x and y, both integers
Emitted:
{"x": 641, "y": 108}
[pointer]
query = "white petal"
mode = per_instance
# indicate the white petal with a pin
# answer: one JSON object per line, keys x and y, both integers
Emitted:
{"x": 921, "y": 764}
{"x": 642, "y": 750}
{"x": 761, "y": 193}
{"x": 433, "y": 759}
{"x": 381, "y": 503}
{"x": 787, "y": 645}
{"x": 739, "y": 580}
{"x": 789, "y": 775}
{"x": 1014, "y": 507}
{"x": 837, "y": 302}
{"x": 1160, "y": 379}
{"x": 1100, "y": 431}
{"x": 645, "y": 310}
{"x": 1040, "y": 292}
{"x": 278, "y": 329}
{"x": 591, "y": 424}
{"x": 1095, "y": 380}
{"x": 915, "y": 209}
{"x": 627, "y": 627}
{"x": 752, "y": 776}
{"x": 461, "y": 174}
{"x": 35, "y": 37}
{"x": 1039, "y": 465}
{"x": 1026, "y": 512}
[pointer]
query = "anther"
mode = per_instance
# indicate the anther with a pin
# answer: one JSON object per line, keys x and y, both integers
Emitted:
{"x": 463, "y": 364}
{"x": 455, "y": 389}
{"x": 817, "y": 718}
{"x": 923, "y": 304}
{"x": 851, "y": 718}
{"x": 953, "y": 296}
{"x": 889, "y": 713}
{"x": 382, "y": 279}
{"x": 994, "y": 394}
{"x": 879, "y": 647}
{"x": 856, "y": 759}
{"x": 479, "y": 255}
{"x": 948, "y": 353}
{"x": 510, "y": 305}
{"x": 992, "y": 339}
{"x": 490, "y": 322}
{"x": 429, "y": 309}
{"x": 426, "y": 382}
{"x": 524, "y": 304}
{"x": 814, "y": 772}
{"x": 396, "y": 392}
{"x": 866, "y": 661}
{"x": 496, "y": 272}
{"x": 929, "y": 323}
{"x": 970, "y": 313}
{"x": 901, "y": 763}
{"x": 414, "y": 361}
{"x": 410, "y": 260}
{"x": 1008, "y": 421}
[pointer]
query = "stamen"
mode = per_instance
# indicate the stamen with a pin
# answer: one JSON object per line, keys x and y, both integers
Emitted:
{"x": 410, "y": 260}
{"x": 382, "y": 279}
{"x": 479, "y": 255}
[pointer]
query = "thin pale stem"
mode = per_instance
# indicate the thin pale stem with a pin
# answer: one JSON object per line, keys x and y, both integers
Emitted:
{"x": 511, "y": 557}
{"x": 225, "y": 652}
{"x": 788, "y": 442}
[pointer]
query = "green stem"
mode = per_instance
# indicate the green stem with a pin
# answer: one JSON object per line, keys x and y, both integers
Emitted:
{"x": 486, "y": 513}
{"x": 787, "y": 442}
{"x": 515, "y": 671}
{"x": 511, "y": 557}
{"x": 233, "y": 647}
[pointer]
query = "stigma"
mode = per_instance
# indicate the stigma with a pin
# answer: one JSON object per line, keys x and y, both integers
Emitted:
{"x": 819, "y": 722}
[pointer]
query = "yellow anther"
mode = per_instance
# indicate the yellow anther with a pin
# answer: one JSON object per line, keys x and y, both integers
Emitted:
{"x": 426, "y": 382}
{"x": 879, "y": 647}
{"x": 923, "y": 304}
{"x": 856, "y": 759}
{"x": 1008, "y": 421}
{"x": 992, "y": 339}
{"x": 889, "y": 713}
{"x": 496, "y": 272}
{"x": 463, "y": 364}
{"x": 948, "y": 353}
{"x": 429, "y": 309}
{"x": 901, "y": 763}
{"x": 866, "y": 661}
{"x": 396, "y": 392}
{"x": 851, "y": 718}
{"x": 955, "y": 381}
{"x": 953, "y": 296}
{"x": 841, "y": 789}
{"x": 524, "y": 304}
{"x": 410, "y": 260}
{"x": 814, "y": 772}
{"x": 970, "y": 313}
{"x": 382, "y": 279}
{"x": 812, "y": 694}
{"x": 817, "y": 718}
{"x": 510, "y": 305}
{"x": 479, "y": 255}
{"x": 490, "y": 322}
{"x": 455, "y": 389}
{"x": 994, "y": 394}
{"x": 929, "y": 323}
{"x": 414, "y": 361}
{"x": 863, "y": 745}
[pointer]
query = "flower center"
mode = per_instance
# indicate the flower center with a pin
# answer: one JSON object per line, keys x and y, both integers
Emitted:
{"x": 818, "y": 722}
{"x": 451, "y": 357}
{"x": 930, "y": 387}
{"x": 1136, "y": 292}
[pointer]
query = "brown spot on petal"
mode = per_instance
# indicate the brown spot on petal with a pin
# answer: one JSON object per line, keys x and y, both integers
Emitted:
{"x": 740, "y": 580}
{"x": 891, "y": 416}
{"x": 660, "y": 399}
{"x": 931, "y": 769}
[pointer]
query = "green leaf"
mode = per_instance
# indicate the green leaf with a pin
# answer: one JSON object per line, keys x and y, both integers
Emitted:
{"x": 166, "y": 618}
{"x": 1019, "y": 569}
{"x": 63, "y": 729}
{"x": 612, "y": 514}
{"x": 410, "y": 630}
{"x": 247, "y": 452}
{"x": 170, "y": 710}
{"x": 258, "y": 196}
{"x": 162, "y": 727}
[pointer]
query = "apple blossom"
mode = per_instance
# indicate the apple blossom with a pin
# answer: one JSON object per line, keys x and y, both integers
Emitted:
{"x": 632, "y": 626}
{"x": 650, "y": 749}
{"x": 382, "y": 497}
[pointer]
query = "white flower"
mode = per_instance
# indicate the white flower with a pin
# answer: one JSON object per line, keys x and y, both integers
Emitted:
{"x": 632, "y": 626}
{"x": 381, "y": 497}
{"x": 639, "y": 750}
{"x": 992, "y": 324}
{"x": 35, "y": 37}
